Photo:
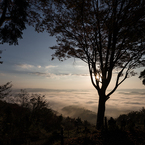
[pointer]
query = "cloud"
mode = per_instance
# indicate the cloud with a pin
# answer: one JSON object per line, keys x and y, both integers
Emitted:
{"x": 90, "y": 102}
{"x": 38, "y": 73}
{"x": 80, "y": 66}
{"x": 45, "y": 72}
{"x": 50, "y": 66}
{"x": 28, "y": 66}
{"x": 133, "y": 103}
{"x": 47, "y": 75}
{"x": 39, "y": 66}
{"x": 2, "y": 74}
{"x": 116, "y": 105}
{"x": 137, "y": 92}
{"x": 51, "y": 96}
{"x": 56, "y": 75}
{"x": 25, "y": 66}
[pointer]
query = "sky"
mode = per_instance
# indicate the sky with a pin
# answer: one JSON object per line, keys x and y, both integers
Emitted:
{"x": 29, "y": 66}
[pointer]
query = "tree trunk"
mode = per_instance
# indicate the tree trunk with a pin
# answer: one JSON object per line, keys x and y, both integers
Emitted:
{"x": 101, "y": 112}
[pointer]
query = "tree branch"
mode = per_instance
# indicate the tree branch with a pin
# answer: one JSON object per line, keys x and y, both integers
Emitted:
{"x": 117, "y": 84}
{"x": 3, "y": 17}
{"x": 118, "y": 76}
{"x": 100, "y": 37}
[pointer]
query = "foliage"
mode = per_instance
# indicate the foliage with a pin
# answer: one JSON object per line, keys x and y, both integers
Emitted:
{"x": 13, "y": 16}
{"x": 22, "y": 98}
{"x": 84, "y": 114}
{"x": 106, "y": 35}
{"x": 5, "y": 90}
{"x": 30, "y": 120}
{"x": 136, "y": 117}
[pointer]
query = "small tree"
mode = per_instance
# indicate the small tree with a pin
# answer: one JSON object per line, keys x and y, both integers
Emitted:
{"x": 108, "y": 35}
{"x": 5, "y": 90}
{"x": 22, "y": 98}
{"x": 38, "y": 102}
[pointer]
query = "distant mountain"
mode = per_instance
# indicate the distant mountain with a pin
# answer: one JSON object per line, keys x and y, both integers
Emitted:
{"x": 76, "y": 111}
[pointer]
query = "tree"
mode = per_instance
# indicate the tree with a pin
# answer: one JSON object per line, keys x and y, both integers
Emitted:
{"x": 13, "y": 16}
{"x": 22, "y": 98}
{"x": 5, "y": 90}
{"x": 142, "y": 76}
{"x": 106, "y": 34}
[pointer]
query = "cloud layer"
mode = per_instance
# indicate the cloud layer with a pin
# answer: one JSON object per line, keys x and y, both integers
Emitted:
{"x": 122, "y": 101}
{"x": 46, "y": 71}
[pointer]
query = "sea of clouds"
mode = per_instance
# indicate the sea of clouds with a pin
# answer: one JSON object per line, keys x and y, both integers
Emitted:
{"x": 121, "y": 102}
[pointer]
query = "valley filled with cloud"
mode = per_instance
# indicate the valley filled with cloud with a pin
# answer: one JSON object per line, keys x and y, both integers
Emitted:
{"x": 74, "y": 103}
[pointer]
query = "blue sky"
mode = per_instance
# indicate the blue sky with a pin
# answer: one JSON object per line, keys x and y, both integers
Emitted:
{"x": 29, "y": 65}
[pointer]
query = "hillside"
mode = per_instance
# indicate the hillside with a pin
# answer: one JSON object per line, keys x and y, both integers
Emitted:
{"x": 40, "y": 125}
{"x": 76, "y": 111}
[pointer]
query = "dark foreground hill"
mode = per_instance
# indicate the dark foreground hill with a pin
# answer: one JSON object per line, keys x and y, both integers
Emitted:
{"x": 37, "y": 124}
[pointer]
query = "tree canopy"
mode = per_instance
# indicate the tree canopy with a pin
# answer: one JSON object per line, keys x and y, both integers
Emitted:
{"x": 108, "y": 35}
{"x": 5, "y": 90}
{"x": 13, "y": 16}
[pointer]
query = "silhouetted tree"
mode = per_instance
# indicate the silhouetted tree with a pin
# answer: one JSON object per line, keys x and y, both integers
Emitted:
{"x": 13, "y": 16}
{"x": 5, "y": 90}
{"x": 108, "y": 35}
{"x": 22, "y": 98}
{"x": 123, "y": 123}
{"x": 142, "y": 76}
{"x": 68, "y": 125}
{"x": 78, "y": 124}
{"x": 112, "y": 123}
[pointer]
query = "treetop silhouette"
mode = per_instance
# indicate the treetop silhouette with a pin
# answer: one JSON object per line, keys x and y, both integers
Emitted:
{"x": 108, "y": 35}
{"x": 13, "y": 16}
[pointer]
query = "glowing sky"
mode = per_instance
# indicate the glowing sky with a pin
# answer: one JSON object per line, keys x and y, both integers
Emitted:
{"x": 29, "y": 65}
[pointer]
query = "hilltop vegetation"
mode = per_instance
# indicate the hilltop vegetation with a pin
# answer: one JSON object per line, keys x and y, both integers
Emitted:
{"x": 27, "y": 122}
{"x": 30, "y": 121}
